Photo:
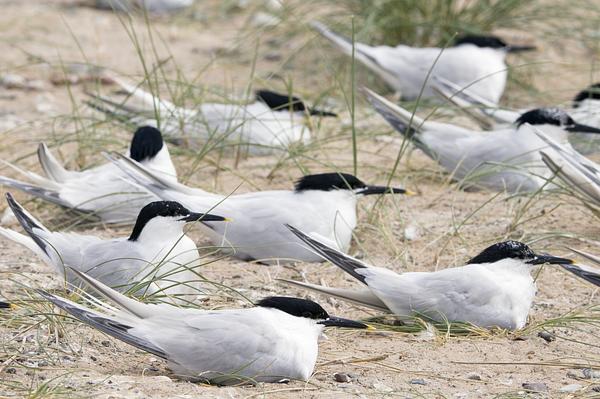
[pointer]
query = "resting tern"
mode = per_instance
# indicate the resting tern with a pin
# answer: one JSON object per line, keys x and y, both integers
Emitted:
{"x": 322, "y": 204}
{"x": 270, "y": 123}
{"x": 505, "y": 159}
{"x": 474, "y": 61}
{"x": 156, "y": 259}
{"x": 495, "y": 288}
{"x": 101, "y": 190}
{"x": 273, "y": 341}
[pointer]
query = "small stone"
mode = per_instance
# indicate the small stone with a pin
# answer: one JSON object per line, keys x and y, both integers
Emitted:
{"x": 596, "y": 388}
{"x": 162, "y": 378}
{"x": 42, "y": 363}
{"x": 105, "y": 343}
{"x": 571, "y": 388}
{"x": 381, "y": 387}
{"x": 342, "y": 377}
{"x": 411, "y": 233}
{"x": 535, "y": 386}
{"x": 590, "y": 373}
{"x": 572, "y": 374}
{"x": 474, "y": 376}
{"x": 546, "y": 336}
{"x": 11, "y": 370}
{"x": 93, "y": 358}
{"x": 13, "y": 81}
{"x": 417, "y": 381}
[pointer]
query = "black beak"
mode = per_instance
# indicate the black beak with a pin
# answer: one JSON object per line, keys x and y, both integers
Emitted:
{"x": 333, "y": 321}
{"x": 6, "y": 305}
{"x": 370, "y": 190}
{"x": 579, "y": 128}
{"x": 204, "y": 217}
{"x": 520, "y": 49}
{"x": 321, "y": 113}
{"x": 553, "y": 260}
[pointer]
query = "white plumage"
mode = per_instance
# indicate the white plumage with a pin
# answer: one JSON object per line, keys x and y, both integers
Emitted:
{"x": 102, "y": 190}
{"x": 157, "y": 259}
{"x": 505, "y": 159}
{"x": 274, "y": 341}
{"x": 494, "y": 290}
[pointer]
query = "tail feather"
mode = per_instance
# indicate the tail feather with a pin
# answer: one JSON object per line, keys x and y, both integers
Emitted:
{"x": 52, "y": 168}
{"x": 49, "y": 195}
{"x": 107, "y": 324}
{"x": 28, "y": 223}
{"x": 341, "y": 260}
{"x": 128, "y": 305}
{"x": 361, "y": 297}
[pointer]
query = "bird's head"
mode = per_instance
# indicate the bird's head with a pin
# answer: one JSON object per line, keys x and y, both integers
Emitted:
{"x": 159, "y": 219}
{"x": 146, "y": 143}
{"x": 553, "y": 120}
{"x": 590, "y": 93}
{"x": 490, "y": 41}
{"x": 518, "y": 251}
{"x": 343, "y": 181}
{"x": 308, "y": 310}
{"x": 285, "y": 102}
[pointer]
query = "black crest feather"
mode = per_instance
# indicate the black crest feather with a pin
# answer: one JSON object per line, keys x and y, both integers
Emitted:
{"x": 328, "y": 182}
{"x": 295, "y": 306}
{"x": 146, "y": 143}
{"x": 545, "y": 116}
{"x": 590, "y": 93}
{"x": 503, "y": 250}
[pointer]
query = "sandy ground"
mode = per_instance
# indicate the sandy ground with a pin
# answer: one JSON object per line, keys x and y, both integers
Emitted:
{"x": 217, "y": 47}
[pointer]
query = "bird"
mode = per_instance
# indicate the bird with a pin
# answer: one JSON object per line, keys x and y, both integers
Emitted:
{"x": 269, "y": 124}
{"x": 157, "y": 259}
{"x": 323, "y": 204}
{"x": 151, "y": 6}
{"x": 271, "y": 342}
{"x": 99, "y": 191}
{"x": 494, "y": 289}
{"x": 502, "y": 160}
{"x": 476, "y": 61}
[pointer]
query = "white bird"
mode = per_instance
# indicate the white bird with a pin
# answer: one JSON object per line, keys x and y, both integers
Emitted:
{"x": 494, "y": 289}
{"x": 102, "y": 190}
{"x": 322, "y": 204}
{"x": 273, "y": 341}
{"x": 505, "y": 159}
{"x": 474, "y": 61}
{"x": 152, "y": 6}
{"x": 156, "y": 259}
{"x": 271, "y": 123}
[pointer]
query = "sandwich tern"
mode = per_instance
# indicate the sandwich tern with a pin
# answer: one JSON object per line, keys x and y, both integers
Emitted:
{"x": 156, "y": 259}
{"x": 101, "y": 190}
{"x": 494, "y": 289}
{"x": 322, "y": 204}
{"x": 505, "y": 159}
{"x": 474, "y": 61}
{"x": 273, "y": 341}
{"x": 271, "y": 123}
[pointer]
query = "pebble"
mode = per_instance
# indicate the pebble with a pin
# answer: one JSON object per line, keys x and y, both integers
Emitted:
{"x": 570, "y": 388}
{"x": 546, "y": 336}
{"x": 411, "y": 233}
{"x": 590, "y": 373}
{"x": 381, "y": 387}
{"x": 474, "y": 376}
{"x": 11, "y": 370}
{"x": 535, "y": 386}
{"x": 342, "y": 377}
{"x": 162, "y": 378}
{"x": 105, "y": 343}
{"x": 417, "y": 381}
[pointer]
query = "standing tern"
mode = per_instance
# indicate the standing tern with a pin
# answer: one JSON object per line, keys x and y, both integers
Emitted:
{"x": 474, "y": 61}
{"x": 494, "y": 289}
{"x": 322, "y": 204}
{"x": 101, "y": 190}
{"x": 273, "y": 341}
{"x": 272, "y": 122}
{"x": 505, "y": 159}
{"x": 156, "y": 259}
